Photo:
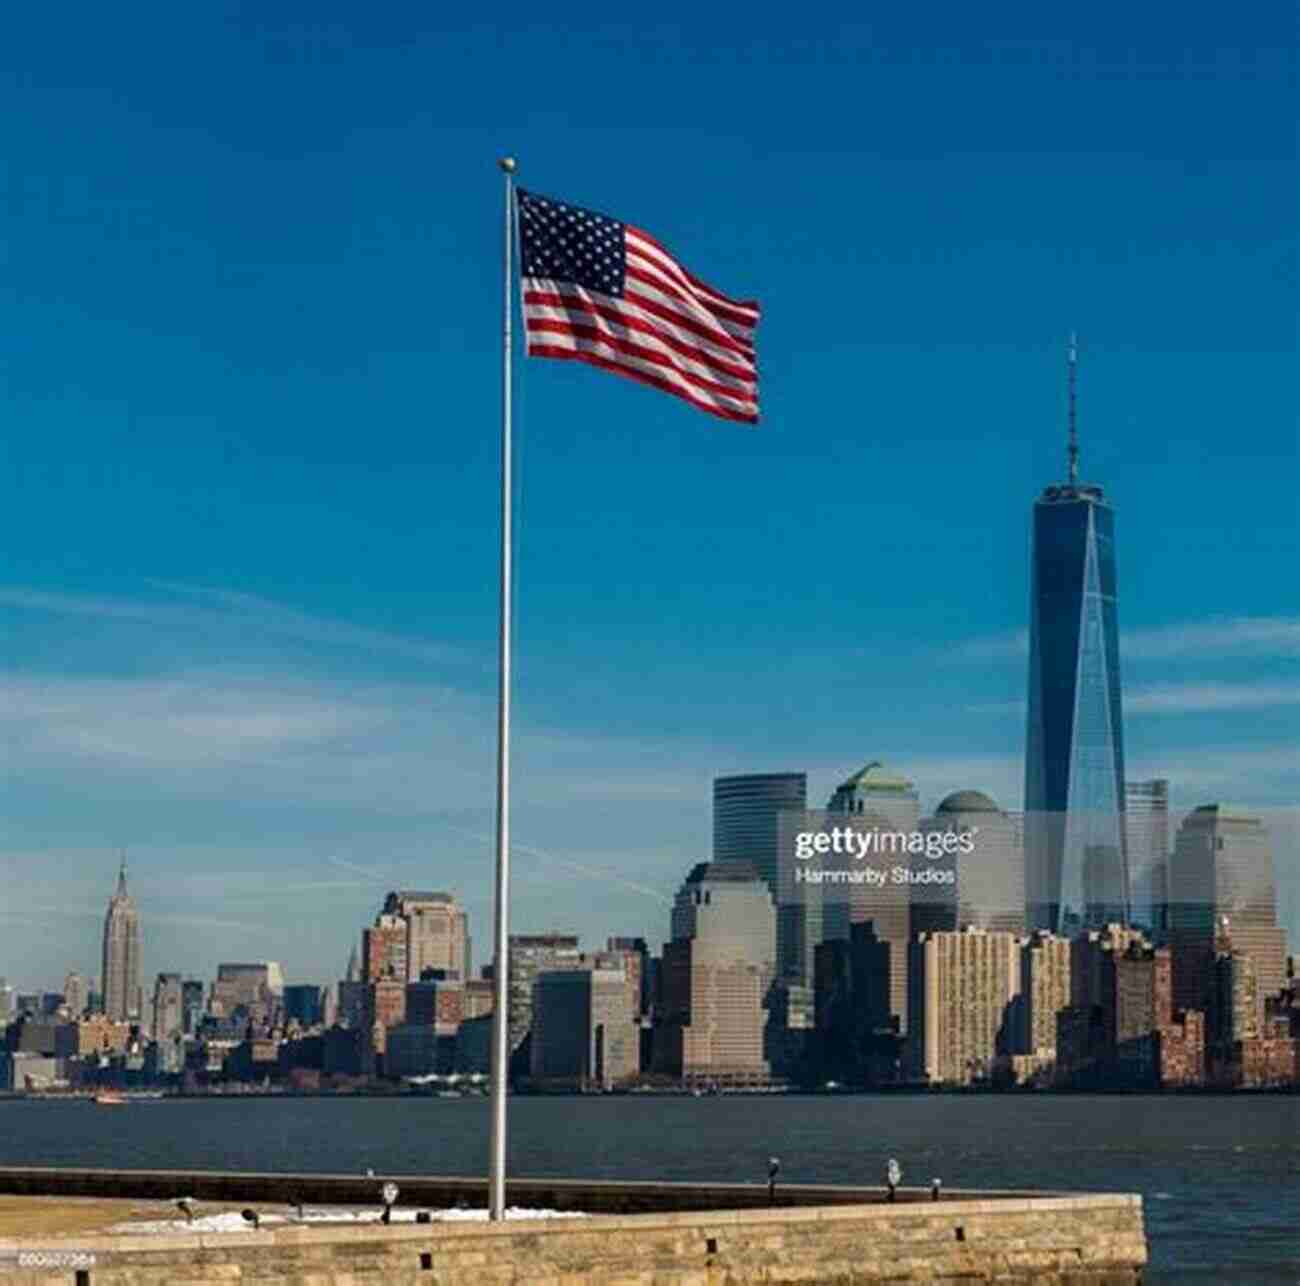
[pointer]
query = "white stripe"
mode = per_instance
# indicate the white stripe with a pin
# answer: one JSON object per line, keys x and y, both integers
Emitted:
{"x": 693, "y": 303}
{"x": 696, "y": 313}
{"x": 576, "y": 344}
{"x": 549, "y": 312}
{"x": 644, "y": 246}
{"x": 706, "y": 349}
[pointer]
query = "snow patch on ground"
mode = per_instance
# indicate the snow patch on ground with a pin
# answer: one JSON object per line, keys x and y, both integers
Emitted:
{"x": 233, "y": 1221}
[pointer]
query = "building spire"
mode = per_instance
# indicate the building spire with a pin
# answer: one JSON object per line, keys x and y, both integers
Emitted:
{"x": 1072, "y": 367}
{"x": 121, "y": 876}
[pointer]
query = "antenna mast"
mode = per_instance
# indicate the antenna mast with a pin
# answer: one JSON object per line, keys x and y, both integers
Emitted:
{"x": 1072, "y": 367}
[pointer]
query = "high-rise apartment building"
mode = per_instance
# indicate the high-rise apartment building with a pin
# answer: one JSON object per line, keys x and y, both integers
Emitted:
{"x": 1146, "y": 822}
{"x": 121, "y": 955}
{"x": 748, "y": 826}
{"x": 1222, "y": 866}
{"x": 715, "y": 976}
{"x": 964, "y": 987}
{"x": 1077, "y": 870}
{"x": 1045, "y": 985}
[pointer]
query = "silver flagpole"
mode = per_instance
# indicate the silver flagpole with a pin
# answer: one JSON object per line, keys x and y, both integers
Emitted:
{"x": 501, "y": 906}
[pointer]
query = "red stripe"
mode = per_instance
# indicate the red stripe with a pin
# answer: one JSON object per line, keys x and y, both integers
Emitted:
{"x": 536, "y": 327}
{"x": 714, "y": 334}
{"x": 644, "y": 377}
{"x": 751, "y": 304}
{"x": 708, "y": 298}
{"x": 667, "y": 287}
{"x": 572, "y": 304}
{"x": 719, "y": 339}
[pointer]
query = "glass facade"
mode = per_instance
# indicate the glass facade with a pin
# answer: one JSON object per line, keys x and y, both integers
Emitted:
{"x": 1076, "y": 851}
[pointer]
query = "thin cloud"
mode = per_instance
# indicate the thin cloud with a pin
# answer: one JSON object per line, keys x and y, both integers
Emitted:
{"x": 1180, "y": 698}
{"x": 1227, "y": 637}
{"x": 215, "y": 608}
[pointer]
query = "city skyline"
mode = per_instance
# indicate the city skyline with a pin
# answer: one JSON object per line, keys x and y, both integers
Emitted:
{"x": 250, "y": 512}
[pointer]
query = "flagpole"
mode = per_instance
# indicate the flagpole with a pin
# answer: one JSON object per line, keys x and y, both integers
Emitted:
{"x": 501, "y": 901}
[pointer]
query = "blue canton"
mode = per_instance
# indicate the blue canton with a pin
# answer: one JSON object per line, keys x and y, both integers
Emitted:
{"x": 567, "y": 243}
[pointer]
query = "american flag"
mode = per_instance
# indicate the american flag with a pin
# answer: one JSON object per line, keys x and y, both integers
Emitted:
{"x": 600, "y": 291}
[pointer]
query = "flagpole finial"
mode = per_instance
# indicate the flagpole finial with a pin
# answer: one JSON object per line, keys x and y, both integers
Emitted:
{"x": 507, "y": 163}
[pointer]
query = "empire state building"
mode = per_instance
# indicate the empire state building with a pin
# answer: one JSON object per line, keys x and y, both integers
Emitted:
{"x": 121, "y": 954}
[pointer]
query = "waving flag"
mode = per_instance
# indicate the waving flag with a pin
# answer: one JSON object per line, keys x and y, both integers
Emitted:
{"x": 600, "y": 291}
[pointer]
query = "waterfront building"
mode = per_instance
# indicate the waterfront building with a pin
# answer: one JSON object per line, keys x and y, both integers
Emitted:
{"x": 121, "y": 955}
{"x": 989, "y": 887}
{"x": 964, "y": 989}
{"x": 76, "y": 994}
{"x": 168, "y": 1007}
{"x": 584, "y": 1032}
{"x": 715, "y": 975}
{"x": 530, "y": 955}
{"x": 1222, "y": 866}
{"x": 1076, "y": 870}
{"x": 437, "y": 932}
{"x": 857, "y": 1033}
{"x": 1045, "y": 985}
{"x": 1146, "y": 822}
{"x": 877, "y": 798}
{"x": 753, "y": 817}
{"x": 383, "y": 948}
{"x": 304, "y": 1003}
{"x": 256, "y": 987}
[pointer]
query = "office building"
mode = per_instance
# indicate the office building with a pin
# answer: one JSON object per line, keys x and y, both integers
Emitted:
{"x": 715, "y": 975}
{"x": 437, "y": 932}
{"x": 383, "y": 948}
{"x": 304, "y": 1004}
{"x": 753, "y": 818}
{"x": 1146, "y": 822}
{"x": 989, "y": 889}
{"x": 121, "y": 955}
{"x": 1222, "y": 866}
{"x": 76, "y": 994}
{"x": 168, "y": 1007}
{"x": 1076, "y": 868}
{"x": 879, "y": 799}
{"x": 530, "y": 955}
{"x": 584, "y": 1029}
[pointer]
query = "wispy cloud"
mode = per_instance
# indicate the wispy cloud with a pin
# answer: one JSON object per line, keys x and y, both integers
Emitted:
{"x": 1190, "y": 698}
{"x": 1232, "y": 636}
{"x": 204, "y": 609}
{"x": 1180, "y": 698}
{"x": 1228, "y": 637}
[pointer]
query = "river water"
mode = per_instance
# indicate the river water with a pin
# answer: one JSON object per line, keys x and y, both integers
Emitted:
{"x": 1220, "y": 1175}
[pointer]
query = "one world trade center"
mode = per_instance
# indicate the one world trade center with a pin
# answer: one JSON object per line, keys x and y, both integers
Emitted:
{"x": 1076, "y": 863}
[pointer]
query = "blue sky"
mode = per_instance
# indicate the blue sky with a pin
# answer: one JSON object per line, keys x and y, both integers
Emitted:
{"x": 251, "y": 281}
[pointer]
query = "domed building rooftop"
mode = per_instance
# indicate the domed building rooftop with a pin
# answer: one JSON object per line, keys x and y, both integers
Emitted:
{"x": 968, "y": 801}
{"x": 877, "y": 776}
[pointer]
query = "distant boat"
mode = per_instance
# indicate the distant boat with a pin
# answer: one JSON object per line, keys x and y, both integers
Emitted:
{"x": 109, "y": 1098}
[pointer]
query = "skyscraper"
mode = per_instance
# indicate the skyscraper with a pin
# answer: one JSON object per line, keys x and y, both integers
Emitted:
{"x": 1146, "y": 816}
{"x": 437, "y": 932}
{"x": 121, "y": 959}
{"x": 715, "y": 976}
{"x": 1077, "y": 868}
{"x": 747, "y": 827}
{"x": 1222, "y": 867}
{"x": 878, "y": 798}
